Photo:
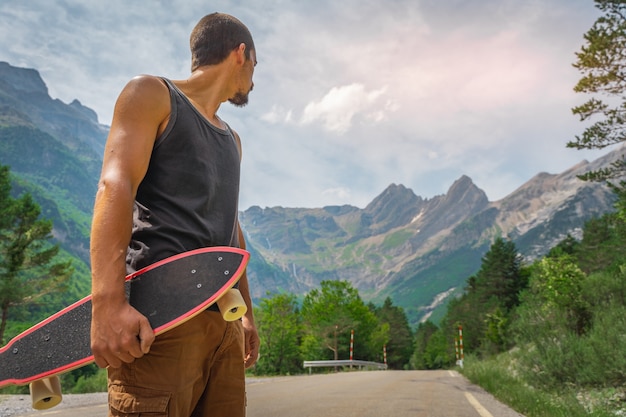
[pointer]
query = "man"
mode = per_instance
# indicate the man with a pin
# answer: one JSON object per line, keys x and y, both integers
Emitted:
{"x": 171, "y": 171}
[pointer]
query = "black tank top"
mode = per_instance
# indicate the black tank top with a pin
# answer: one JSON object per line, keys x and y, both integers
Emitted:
{"x": 188, "y": 198}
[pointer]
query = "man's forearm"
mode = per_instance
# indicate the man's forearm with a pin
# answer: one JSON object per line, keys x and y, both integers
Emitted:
{"x": 110, "y": 234}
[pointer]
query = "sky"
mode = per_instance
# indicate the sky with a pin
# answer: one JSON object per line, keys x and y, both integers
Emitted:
{"x": 350, "y": 96}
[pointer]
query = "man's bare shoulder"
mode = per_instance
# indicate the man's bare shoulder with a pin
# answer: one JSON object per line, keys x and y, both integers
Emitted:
{"x": 148, "y": 85}
{"x": 145, "y": 94}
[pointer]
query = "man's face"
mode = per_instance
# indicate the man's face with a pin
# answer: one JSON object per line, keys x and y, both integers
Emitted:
{"x": 240, "y": 98}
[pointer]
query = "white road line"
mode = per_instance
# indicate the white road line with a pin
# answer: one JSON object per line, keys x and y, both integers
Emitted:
{"x": 477, "y": 406}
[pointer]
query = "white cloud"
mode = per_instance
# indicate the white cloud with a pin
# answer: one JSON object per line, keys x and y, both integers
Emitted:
{"x": 420, "y": 93}
{"x": 277, "y": 114}
{"x": 340, "y": 105}
{"x": 340, "y": 194}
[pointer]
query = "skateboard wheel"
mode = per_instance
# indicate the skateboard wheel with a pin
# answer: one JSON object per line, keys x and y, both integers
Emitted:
{"x": 45, "y": 393}
{"x": 232, "y": 306}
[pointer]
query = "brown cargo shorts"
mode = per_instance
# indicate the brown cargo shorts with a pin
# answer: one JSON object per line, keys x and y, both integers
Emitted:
{"x": 196, "y": 369}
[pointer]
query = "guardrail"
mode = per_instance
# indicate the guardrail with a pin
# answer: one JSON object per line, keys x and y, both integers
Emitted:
{"x": 350, "y": 363}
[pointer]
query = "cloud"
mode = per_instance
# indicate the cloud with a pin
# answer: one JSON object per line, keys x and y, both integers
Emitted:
{"x": 337, "y": 109}
{"x": 277, "y": 114}
{"x": 349, "y": 96}
{"x": 337, "y": 194}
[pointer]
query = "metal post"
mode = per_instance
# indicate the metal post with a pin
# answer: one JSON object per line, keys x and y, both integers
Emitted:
{"x": 461, "y": 346}
{"x": 351, "y": 347}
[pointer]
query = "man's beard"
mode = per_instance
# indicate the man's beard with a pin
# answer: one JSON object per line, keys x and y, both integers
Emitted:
{"x": 240, "y": 99}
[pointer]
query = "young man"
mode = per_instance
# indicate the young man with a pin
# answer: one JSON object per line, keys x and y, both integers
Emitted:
{"x": 170, "y": 184}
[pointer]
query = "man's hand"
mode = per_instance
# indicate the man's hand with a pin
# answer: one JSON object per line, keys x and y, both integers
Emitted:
{"x": 252, "y": 342}
{"x": 119, "y": 334}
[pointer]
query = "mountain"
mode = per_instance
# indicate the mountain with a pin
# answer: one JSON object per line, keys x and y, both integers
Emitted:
{"x": 54, "y": 151}
{"x": 24, "y": 101}
{"x": 417, "y": 251}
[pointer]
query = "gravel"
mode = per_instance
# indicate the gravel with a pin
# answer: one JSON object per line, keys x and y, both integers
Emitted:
{"x": 17, "y": 405}
{"x": 20, "y": 405}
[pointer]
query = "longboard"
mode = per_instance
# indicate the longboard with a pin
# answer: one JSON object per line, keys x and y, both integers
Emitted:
{"x": 168, "y": 293}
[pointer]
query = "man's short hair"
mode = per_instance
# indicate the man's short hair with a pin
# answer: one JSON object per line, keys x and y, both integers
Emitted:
{"x": 215, "y": 36}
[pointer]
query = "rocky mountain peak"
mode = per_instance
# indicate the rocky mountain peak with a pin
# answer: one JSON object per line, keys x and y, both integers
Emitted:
{"x": 395, "y": 206}
{"x": 393, "y": 192}
{"x": 462, "y": 199}
{"x": 464, "y": 191}
{"x": 85, "y": 111}
{"x": 24, "y": 80}
{"x": 24, "y": 100}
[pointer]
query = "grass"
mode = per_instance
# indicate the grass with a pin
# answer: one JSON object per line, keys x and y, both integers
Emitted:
{"x": 497, "y": 376}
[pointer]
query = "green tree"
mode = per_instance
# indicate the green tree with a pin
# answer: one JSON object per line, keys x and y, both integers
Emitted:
{"x": 423, "y": 335}
{"x": 376, "y": 344}
{"x": 500, "y": 275}
{"x": 603, "y": 243}
{"x": 437, "y": 354}
{"x": 328, "y": 316}
{"x": 27, "y": 267}
{"x": 489, "y": 299}
{"x": 602, "y": 62}
{"x": 470, "y": 312}
{"x": 279, "y": 328}
{"x": 568, "y": 317}
{"x": 496, "y": 334}
{"x": 400, "y": 344}
{"x": 567, "y": 246}
{"x": 559, "y": 281}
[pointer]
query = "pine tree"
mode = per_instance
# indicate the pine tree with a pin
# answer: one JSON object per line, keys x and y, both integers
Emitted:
{"x": 602, "y": 61}
{"x": 27, "y": 267}
{"x": 500, "y": 275}
{"x": 400, "y": 345}
{"x": 490, "y": 297}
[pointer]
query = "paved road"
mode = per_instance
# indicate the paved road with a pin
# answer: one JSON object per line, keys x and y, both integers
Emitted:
{"x": 374, "y": 394}
{"x": 362, "y": 394}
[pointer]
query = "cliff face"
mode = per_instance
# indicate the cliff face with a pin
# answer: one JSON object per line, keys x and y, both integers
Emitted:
{"x": 24, "y": 100}
{"x": 54, "y": 151}
{"x": 418, "y": 251}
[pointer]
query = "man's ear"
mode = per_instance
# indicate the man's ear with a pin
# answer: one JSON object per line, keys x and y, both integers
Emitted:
{"x": 241, "y": 53}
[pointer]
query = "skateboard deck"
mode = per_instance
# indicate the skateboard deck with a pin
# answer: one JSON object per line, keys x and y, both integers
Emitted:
{"x": 168, "y": 293}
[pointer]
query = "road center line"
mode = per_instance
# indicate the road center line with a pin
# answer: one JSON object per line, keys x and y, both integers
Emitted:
{"x": 477, "y": 406}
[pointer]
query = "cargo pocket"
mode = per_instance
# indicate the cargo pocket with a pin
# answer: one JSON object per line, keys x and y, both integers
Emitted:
{"x": 137, "y": 402}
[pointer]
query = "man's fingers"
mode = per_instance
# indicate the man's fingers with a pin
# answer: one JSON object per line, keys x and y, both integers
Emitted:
{"x": 141, "y": 343}
{"x": 146, "y": 337}
{"x": 101, "y": 362}
{"x": 127, "y": 357}
{"x": 252, "y": 354}
{"x": 111, "y": 361}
